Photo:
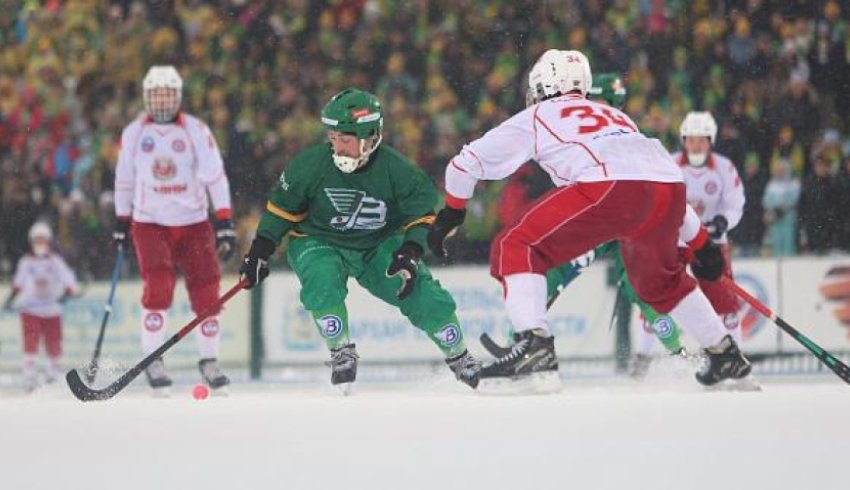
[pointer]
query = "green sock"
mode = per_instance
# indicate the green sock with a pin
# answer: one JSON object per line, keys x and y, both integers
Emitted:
{"x": 664, "y": 327}
{"x": 333, "y": 325}
{"x": 448, "y": 336}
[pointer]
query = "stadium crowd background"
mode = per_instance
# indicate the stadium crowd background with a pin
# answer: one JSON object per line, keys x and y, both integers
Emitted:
{"x": 774, "y": 73}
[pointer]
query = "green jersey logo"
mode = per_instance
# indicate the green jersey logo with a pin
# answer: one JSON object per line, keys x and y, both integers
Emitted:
{"x": 357, "y": 211}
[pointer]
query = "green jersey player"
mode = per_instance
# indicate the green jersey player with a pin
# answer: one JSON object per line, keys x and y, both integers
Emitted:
{"x": 356, "y": 208}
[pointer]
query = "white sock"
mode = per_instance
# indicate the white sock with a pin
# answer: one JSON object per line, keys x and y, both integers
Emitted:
{"x": 645, "y": 338}
{"x": 29, "y": 368}
{"x": 695, "y": 315}
{"x": 153, "y": 330}
{"x": 208, "y": 336}
{"x": 525, "y": 300}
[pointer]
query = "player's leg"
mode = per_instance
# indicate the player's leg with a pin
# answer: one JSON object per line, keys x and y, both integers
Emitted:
{"x": 51, "y": 329}
{"x": 195, "y": 254}
{"x": 658, "y": 275}
{"x": 429, "y": 307}
{"x": 155, "y": 255}
{"x": 724, "y": 301}
{"x": 30, "y": 330}
{"x": 323, "y": 273}
{"x": 561, "y": 225}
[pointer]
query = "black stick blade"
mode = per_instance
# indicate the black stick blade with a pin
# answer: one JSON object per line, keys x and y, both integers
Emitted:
{"x": 86, "y": 394}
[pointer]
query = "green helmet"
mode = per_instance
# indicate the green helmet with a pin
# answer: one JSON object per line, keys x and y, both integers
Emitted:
{"x": 354, "y": 111}
{"x": 608, "y": 87}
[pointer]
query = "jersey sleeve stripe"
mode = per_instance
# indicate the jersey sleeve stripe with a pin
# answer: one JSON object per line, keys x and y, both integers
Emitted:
{"x": 423, "y": 220}
{"x": 280, "y": 213}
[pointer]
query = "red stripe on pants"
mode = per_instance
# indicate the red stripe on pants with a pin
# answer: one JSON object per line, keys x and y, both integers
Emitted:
{"x": 568, "y": 221}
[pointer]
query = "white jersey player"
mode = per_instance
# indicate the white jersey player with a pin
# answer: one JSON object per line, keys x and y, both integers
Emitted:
{"x": 42, "y": 281}
{"x": 717, "y": 195}
{"x": 613, "y": 183}
{"x": 169, "y": 169}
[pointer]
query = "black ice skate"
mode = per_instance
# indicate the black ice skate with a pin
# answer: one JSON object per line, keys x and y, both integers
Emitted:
{"x": 723, "y": 361}
{"x": 533, "y": 351}
{"x": 343, "y": 366}
{"x": 466, "y": 368}
{"x": 211, "y": 373}
{"x": 155, "y": 373}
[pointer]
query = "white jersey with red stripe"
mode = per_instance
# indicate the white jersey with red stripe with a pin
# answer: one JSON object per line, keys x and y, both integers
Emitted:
{"x": 573, "y": 139}
{"x": 40, "y": 282}
{"x": 165, "y": 172}
{"x": 714, "y": 188}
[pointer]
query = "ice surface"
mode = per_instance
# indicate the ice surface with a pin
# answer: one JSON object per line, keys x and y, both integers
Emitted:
{"x": 595, "y": 434}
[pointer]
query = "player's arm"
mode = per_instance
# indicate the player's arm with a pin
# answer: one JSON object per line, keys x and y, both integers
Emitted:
{"x": 705, "y": 256}
{"x": 733, "y": 197}
{"x": 212, "y": 176}
{"x": 17, "y": 284}
{"x": 494, "y": 156}
{"x": 286, "y": 207}
{"x": 68, "y": 278}
{"x": 125, "y": 185}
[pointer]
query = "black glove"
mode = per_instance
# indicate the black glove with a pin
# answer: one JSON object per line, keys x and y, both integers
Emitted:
{"x": 121, "y": 233}
{"x": 709, "y": 262}
{"x": 717, "y": 226}
{"x": 404, "y": 264}
{"x": 447, "y": 222}
{"x": 255, "y": 265}
{"x": 225, "y": 239}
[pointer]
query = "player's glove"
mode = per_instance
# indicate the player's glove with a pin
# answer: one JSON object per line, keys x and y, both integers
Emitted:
{"x": 404, "y": 263}
{"x": 255, "y": 265}
{"x": 225, "y": 239}
{"x": 717, "y": 226}
{"x": 121, "y": 233}
{"x": 709, "y": 262}
{"x": 447, "y": 222}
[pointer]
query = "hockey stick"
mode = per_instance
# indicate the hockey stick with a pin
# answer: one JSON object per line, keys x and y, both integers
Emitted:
{"x": 91, "y": 372}
{"x": 86, "y": 394}
{"x": 838, "y": 367}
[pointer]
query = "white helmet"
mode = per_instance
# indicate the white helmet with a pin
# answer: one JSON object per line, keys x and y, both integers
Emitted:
{"x": 40, "y": 229}
{"x": 558, "y": 72}
{"x": 698, "y": 124}
{"x": 162, "y": 77}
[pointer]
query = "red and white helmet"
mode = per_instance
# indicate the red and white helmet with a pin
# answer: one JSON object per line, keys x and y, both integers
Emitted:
{"x": 163, "y": 107}
{"x": 558, "y": 72}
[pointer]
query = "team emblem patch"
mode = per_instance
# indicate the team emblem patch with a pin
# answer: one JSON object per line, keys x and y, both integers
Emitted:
{"x": 711, "y": 187}
{"x": 449, "y": 335}
{"x": 164, "y": 168}
{"x": 153, "y": 321}
{"x": 330, "y": 326}
{"x": 147, "y": 144}
{"x": 178, "y": 145}
{"x": 663, "y": 327}
{"x": 210, "y": 327}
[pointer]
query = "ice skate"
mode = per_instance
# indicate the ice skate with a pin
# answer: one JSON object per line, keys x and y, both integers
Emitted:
{"x": 466, "y": 368}
{"x": 343, "y": 366}
{"x": 723, "y": 361}
{"x": 212, "y": 375}
{"x": 157, "y": 378}
{"x": 529, "y": 366}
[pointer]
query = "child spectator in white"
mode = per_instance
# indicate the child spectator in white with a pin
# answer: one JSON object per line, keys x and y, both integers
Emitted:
{"x": 42, "y": 281}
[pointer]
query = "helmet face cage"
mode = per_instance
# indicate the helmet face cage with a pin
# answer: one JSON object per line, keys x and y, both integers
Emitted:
{"x": 162, "y": 93}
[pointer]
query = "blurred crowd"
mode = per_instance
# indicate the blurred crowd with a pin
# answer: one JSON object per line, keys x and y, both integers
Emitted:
{"x": 774, "y": 74}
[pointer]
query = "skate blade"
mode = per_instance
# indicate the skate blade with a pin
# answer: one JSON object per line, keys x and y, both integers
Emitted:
{"x": 164, "y": 392}
{"x": 220, "y": 392}
{"x": 745, "y": 384}
{"x": 544, "y": 383}
{"x": 344, "y": 389}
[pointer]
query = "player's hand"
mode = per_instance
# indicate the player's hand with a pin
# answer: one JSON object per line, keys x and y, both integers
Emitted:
{"x": 255, "y": 265}
{"x": 225, "y": 239}
{"x": 404, "y": 264}
{"x": 447, "y": 222}
{"x": 709, "y": 262}
{"x": 717, "y": 226}
{"x": 121, "y": 233}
